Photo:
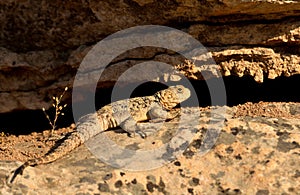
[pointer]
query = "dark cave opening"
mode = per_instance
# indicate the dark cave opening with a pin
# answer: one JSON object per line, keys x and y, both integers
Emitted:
{"x": 238, "y": 91}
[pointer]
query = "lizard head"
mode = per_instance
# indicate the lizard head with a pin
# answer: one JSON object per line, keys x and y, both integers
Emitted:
{"x": 172, "y": 96}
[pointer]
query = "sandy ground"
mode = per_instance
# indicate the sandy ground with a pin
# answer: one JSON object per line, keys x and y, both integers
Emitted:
{"x": 24, "y": 147}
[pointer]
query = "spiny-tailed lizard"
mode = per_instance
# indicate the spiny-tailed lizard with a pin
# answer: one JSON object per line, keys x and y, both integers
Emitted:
{"x": 124, "y": 113}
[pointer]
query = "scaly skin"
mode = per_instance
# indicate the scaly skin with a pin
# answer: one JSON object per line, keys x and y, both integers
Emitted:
{"x": 124, "y": 113}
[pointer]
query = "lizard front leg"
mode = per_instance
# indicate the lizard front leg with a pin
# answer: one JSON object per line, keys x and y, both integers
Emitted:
{"x": 131, "y": 127}
{"x": 158, "y": 114}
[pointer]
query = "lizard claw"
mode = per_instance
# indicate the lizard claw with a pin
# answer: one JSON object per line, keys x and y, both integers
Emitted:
{"x": 132, "y": 135}
{"x": 141, "y": 133}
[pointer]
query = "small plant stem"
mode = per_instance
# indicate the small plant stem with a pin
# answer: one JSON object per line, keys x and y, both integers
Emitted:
{"x": 58, "y": 110}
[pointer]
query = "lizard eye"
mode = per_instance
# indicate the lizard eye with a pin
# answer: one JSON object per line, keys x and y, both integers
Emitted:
{"x": 179, "y": 89}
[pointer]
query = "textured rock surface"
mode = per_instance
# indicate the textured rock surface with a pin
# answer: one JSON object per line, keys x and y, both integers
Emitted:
{"x": 252, "y": 155}
{"x": 28, "y": 26}
{"x": 42, "y": 43}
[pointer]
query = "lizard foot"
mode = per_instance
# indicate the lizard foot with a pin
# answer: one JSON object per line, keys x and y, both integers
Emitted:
{"x": 141, "y": 133}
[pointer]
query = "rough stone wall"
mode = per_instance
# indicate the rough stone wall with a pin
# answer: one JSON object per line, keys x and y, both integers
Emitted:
{"x": 43, "y": 42}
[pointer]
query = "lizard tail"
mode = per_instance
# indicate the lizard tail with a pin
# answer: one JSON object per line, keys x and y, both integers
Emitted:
{"x": 70, "y": 143}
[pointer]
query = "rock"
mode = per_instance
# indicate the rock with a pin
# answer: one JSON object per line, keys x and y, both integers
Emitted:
{"x": 256, "y": 62}
{"x": 42, "y": 44}
{"x": 28, "y": 26}
{"x": 252, "y": 155}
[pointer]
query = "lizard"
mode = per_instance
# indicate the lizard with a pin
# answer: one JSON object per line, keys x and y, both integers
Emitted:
{"x": 126, "y": 113}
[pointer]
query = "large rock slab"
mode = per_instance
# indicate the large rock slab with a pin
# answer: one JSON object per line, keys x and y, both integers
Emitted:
{"x": 252, "y": 155}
